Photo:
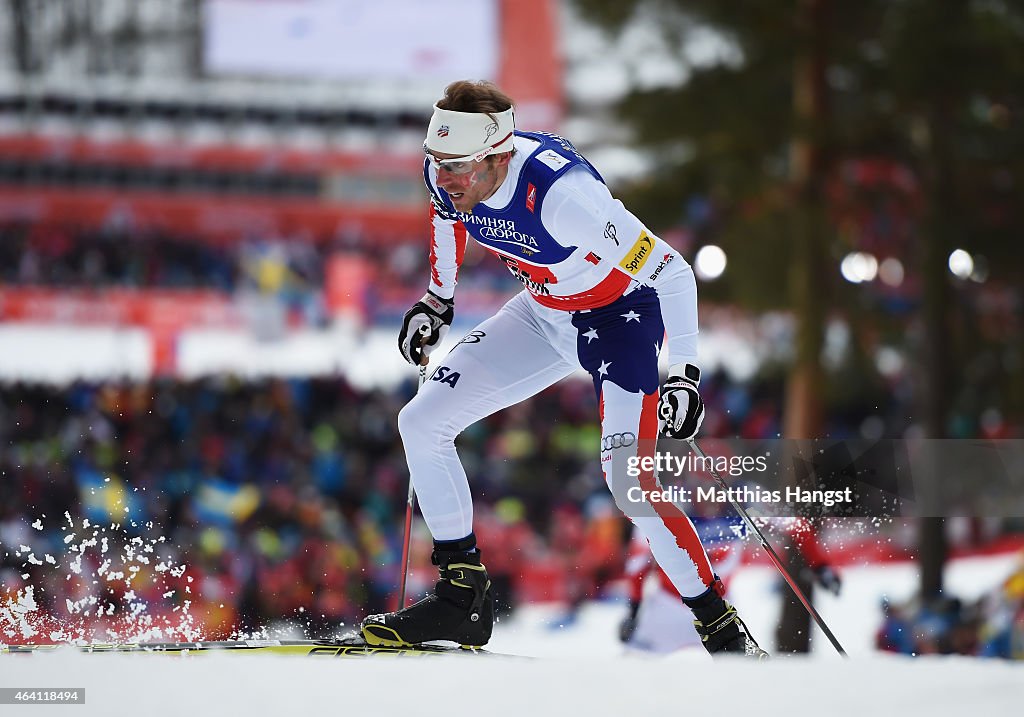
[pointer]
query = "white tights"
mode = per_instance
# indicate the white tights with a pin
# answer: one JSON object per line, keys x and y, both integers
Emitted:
{"x": 515, "y": 354}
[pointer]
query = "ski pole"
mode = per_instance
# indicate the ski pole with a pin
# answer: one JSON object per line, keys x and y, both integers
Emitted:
{"x": 409, "y": 503}
{"x": 770, "y": 551}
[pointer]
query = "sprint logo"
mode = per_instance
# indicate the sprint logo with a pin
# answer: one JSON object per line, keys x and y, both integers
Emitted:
{"x": 638, "y": 254}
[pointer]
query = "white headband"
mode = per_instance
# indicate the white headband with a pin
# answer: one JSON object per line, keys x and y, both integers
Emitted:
{"x": 467, "y": 133}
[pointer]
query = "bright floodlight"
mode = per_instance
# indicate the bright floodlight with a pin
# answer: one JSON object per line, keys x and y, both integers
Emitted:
{"x": 710, "y": 262}
{"x": 858, "y": 267}
{"x": 961, "y": 263}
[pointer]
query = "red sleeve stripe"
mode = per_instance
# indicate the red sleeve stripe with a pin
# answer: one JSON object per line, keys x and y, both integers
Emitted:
{"x": 435, "y": 279}
{"x": 460, "y": 246}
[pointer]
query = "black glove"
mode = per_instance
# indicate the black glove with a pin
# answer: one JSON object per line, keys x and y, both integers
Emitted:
{"x": 628, "y": 625}
{"x": 425, "y": 325}
{"x": 680, "y": 406}
{"x": 828, "y": 578}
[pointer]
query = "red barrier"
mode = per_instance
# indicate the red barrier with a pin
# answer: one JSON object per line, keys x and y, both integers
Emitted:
{"x": 225, "y": 218}
{"x": 160, "y": 309}
{"x": 133, "y": 153}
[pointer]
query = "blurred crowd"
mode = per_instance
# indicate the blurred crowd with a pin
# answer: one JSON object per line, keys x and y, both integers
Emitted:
{"x": 292, "y": 269}
{"x": 991, "y": 626}
{"x": 120, "y": 254}
{"x": 287, "y": 493}
{"x": 33, "y": 254}
{"x": 284, "y": 498}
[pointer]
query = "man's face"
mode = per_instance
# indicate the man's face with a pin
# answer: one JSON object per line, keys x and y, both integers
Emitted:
{"x": 469, "y": 189}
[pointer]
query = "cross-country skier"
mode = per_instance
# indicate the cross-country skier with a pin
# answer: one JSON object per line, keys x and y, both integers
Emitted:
{"x": 601, "y": 292}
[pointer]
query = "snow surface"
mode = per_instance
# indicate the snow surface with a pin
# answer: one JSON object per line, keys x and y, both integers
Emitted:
{"x": 252, "y": 685}
{"x": 580, "y": 669}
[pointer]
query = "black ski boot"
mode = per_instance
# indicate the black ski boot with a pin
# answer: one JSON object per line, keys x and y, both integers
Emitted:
{"x": 460, "y": 609}
{"x": 720, "y": 628}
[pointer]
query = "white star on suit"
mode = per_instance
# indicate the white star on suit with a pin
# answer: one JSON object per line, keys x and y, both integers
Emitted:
{"x": 602, "y": 370}
{"x": 591, "y": 335}
{"x": 631, "y": 316}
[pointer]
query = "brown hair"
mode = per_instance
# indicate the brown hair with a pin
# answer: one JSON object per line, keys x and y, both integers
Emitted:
{"x": 468, "y": 96}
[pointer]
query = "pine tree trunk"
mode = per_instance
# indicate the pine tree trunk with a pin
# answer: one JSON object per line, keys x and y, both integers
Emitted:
{"x": 808, "y": 284}
{"x": 936, "y": 245}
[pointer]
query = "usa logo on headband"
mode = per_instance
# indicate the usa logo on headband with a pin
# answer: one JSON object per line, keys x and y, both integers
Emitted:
{"x": 442, "y": 131}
